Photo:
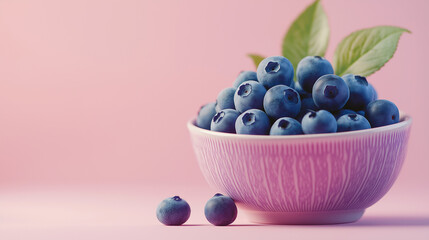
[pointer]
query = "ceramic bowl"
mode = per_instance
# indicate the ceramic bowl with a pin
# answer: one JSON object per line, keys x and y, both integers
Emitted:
{"x": 303, "y": 179}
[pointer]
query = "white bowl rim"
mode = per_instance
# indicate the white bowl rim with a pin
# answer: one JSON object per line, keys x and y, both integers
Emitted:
{"x": 405, "y": 121}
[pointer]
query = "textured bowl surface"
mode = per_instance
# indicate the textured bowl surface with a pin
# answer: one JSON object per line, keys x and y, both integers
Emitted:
{"x": 303, "y": 179}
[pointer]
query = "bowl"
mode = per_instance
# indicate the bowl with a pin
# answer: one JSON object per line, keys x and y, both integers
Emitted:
{"x": 303, "y": 179}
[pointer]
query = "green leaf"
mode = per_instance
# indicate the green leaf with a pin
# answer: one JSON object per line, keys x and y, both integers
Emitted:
{"x": 308, "y": 35}
{"x": 365, "y": 51}
{"x": 256, "y": 59}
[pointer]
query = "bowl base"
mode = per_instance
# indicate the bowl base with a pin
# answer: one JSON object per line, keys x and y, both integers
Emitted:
{"x": 304, "y": 218}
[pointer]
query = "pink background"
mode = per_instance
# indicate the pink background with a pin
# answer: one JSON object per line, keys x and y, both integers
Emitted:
{"x": 99, "y": 92}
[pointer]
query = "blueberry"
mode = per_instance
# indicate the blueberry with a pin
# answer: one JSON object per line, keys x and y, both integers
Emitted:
{"x": 205, "y": 115}
{"x": 352, "y": 122}
{"x": 253, "y": 121}
{"x": 307, "y": 104}
{"x": 225, "y": 99}
{"x": 173, "y": 211}
{"x": 361, "y": 112}
{"x": 249, "y": 95}
{"x": 374, "y": 92}
{"x": 310, "y": 69}
{"x": 360, "y": 92}
{"x": 286, "y": 126}
{"x": 319, "y": 122}
{"x": 220, "y": 210}
{"x": 381, "y": 112}
{"x": 244, "y": 76}
{"x": 282, "y": 101}
{"x": 330, "y": 92}
{"x": 224, "y": 121}
{"x": 276, "y": 70}
{"x": 342, "y": 112}
{"x": 298, "y": 88}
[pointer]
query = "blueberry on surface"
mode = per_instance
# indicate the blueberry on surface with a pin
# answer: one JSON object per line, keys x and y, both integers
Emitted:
{"x": 220, "y": 210}
{"x": 244, "y": 76}
{"x": 381, "y": 112}
{"x": 173, "y": 211}
{"x": 253, "y": 121}
{"x": 342, "y": 112}
{"x": 360, "y": 92}
{"x": 225, "y": 99}
{"x": 249, "y": 95}
{"x": 321, "y": 121}
{"x": 352, "y": 122}
{"x": 205, "y": 115}
{"x": 224, "y": 121}
{"x": 274, "y": 71}
{"x": 330, "y": 92}
{"x": 286, "y": 126}
{"x": 307, "y": 104}
{"x": 310, "y": 69}
{"x": 282, "y": 101}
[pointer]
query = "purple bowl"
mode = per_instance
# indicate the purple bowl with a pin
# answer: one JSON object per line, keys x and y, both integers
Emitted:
{"x": 303, "y": 179}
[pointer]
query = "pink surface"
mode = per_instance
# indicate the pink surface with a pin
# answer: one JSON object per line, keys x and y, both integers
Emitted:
{"x": 99, "y": 93}
{"x": 129, "y": 213}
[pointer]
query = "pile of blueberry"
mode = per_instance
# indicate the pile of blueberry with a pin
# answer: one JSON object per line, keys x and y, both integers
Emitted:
{"x": 219, "y": 210}
{"x": 269, "y": 101}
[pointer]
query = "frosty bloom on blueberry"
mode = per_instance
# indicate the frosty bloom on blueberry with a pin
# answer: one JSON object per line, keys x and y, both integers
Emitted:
{"x": 286, "y": 126}
{"x": 205, "y": 115}
{"x": 244, "y": 76}
{"x": 330, "y": 92}
{"x": 310, "y": 69}
{"x": 224, "y": 121}
{"x": 249, "y": 95}
{"x": 274, "y": 71}
{"x": 352, "y": 122}
{"x": 220, "y": 210}
{"x": 253, "y": 121}
{"x": 361, "y": 92}
{"x": 173, "y": 211}
{"x": 382, "y": 112}
{"x": 225, "y": 99}
{"x": 282, "y": 101}
{"x": 321, "y": 121}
